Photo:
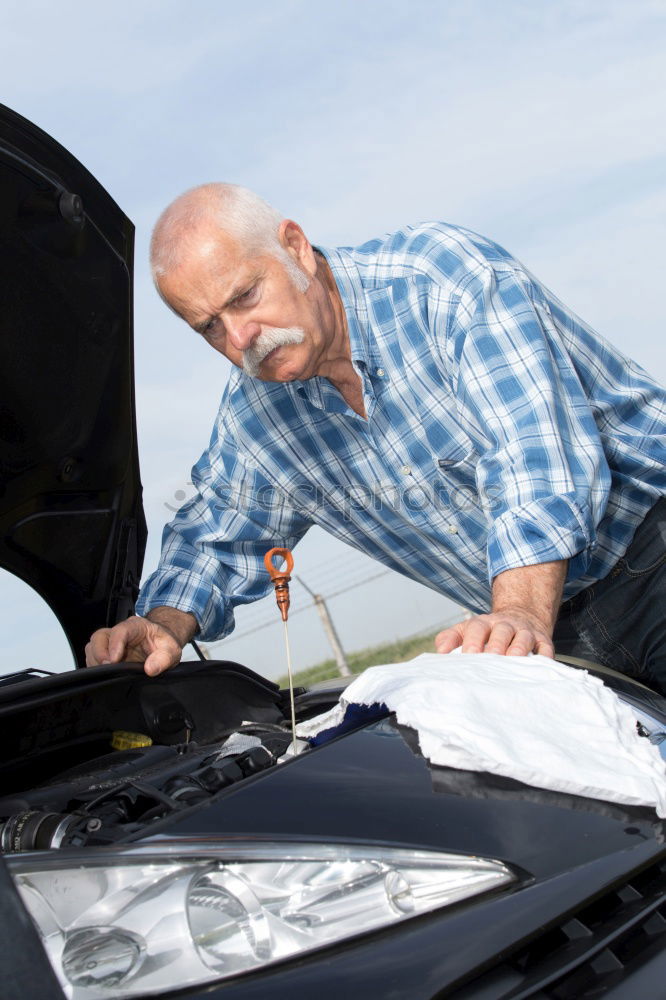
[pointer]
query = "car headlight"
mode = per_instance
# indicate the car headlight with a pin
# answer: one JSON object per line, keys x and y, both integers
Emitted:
{"x": 152, "y": 919}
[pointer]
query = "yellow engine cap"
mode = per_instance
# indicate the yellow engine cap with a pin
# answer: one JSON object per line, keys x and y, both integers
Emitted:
{"x": 122, "y": 740}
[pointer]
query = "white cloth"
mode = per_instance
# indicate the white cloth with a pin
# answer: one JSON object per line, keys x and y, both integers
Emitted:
{"x": 528, "y": 718}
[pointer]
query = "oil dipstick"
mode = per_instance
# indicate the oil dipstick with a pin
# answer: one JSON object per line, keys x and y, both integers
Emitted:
{"x": 281, "y": 583}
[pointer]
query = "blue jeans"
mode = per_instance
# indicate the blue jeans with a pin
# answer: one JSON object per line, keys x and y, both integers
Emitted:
{"x": 620, "y": 621}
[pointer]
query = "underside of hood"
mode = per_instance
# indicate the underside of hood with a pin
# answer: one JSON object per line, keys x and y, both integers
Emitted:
{"x": 71, "y": 520}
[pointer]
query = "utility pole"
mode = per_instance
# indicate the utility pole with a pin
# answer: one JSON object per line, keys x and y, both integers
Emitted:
{"x": 329, "y": 629}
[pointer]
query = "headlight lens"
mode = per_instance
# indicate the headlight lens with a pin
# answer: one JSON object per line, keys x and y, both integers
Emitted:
{"x": 150, "y": 920}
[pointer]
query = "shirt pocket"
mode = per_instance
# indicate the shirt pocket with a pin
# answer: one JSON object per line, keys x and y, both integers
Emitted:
{"x": 454, "y": 473}
{"x": 456, "y": 453}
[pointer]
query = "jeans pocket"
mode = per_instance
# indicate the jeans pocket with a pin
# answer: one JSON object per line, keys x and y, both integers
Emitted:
{"x": 647, "y": 550}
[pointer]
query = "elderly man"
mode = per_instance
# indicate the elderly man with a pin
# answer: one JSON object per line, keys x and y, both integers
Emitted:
{"x": 425, "y": 399}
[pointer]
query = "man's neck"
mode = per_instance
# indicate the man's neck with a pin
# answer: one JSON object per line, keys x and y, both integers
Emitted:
{"x": 337, "y": 366}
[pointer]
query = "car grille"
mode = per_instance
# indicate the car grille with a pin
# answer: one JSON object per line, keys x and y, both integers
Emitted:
{"x": 588, "y": 954}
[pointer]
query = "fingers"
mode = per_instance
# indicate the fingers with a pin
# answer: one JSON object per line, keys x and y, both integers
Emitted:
{"x": 495, "y": 633}
{"x": 449, "y": 639}
{"x": 158, "y": 662}
{"x": 490, "y": 638}
{"x": 97, "y": 650}
{"x": 522, "y": 643}
{"x": 545, "y": 647}
{"x": 109, "y": 646}
{"x": 161, "y": 659}
{"x": 132, "y": 632}
{"x": 135, "y": 639}
{"x": 474, "y": 636}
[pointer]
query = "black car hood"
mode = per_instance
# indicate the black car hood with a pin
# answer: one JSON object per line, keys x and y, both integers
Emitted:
{"x": 368, "y": 787}
{"x": 71, "y": 520}
{"x": 373, "y": 786}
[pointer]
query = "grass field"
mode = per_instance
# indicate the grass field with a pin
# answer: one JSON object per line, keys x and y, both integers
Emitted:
{"x": 388, "y": 652}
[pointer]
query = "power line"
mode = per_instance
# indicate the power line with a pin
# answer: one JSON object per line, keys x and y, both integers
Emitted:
{"x": 332, "y": 571}
{"x": 375, "y": 576}
{"x": 322, "y": 583}
{"x": 260, "y": 620}
{"x": 274, "y": 620}
{"x": 264, "y": 621}
{"x": 438, "y": 626}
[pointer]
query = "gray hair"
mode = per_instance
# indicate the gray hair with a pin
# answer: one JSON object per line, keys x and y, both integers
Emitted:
{"x": 241, "y": 213}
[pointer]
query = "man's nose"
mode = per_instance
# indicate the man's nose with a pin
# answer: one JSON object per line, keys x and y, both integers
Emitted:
{"x": 242, "y": 335}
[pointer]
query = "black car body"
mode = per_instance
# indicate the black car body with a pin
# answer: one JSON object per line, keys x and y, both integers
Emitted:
{"x": 155, "y": 829}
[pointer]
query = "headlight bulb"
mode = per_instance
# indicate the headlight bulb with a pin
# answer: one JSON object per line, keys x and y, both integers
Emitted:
{"x": 102, "y": 956}
{"x": 227, "y": 922}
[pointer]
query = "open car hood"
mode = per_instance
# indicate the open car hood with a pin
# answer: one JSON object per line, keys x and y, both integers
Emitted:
{"x": 200, "y": 776}
{"x": 71, "y": 520}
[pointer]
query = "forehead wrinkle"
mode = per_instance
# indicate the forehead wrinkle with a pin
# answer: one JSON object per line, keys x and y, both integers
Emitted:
{"x": 190, "y": 296}
{"x": 238, "y": 290}
{"x": 213, "y": 274}
{"x": 194, "y": 288}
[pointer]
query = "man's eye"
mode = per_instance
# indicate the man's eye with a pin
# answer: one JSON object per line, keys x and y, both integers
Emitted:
{"x": 248, "y": 296}
{"x": 211, "y": 327}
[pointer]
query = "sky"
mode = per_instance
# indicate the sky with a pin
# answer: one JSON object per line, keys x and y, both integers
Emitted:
{"x": 539, "y": 124}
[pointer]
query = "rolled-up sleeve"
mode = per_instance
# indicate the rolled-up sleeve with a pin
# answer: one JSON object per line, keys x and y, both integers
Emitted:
{"x": 213, "y": 550}
{"x": 542, "y": 475}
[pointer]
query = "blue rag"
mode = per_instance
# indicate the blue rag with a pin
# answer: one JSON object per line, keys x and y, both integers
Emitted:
{"x": 354, "y": 717}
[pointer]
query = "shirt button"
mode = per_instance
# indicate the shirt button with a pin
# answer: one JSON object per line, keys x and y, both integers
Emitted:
{"x": 406, "y": 470}
{"x": 380, "y": 373}
{"x": 453, "y": 529}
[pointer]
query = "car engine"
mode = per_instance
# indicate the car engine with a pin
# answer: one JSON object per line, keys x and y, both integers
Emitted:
{"x": 183, "y": 738}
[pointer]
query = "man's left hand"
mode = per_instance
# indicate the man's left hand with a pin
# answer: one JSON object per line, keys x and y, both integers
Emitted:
{"x": 514, "y": 633}
{"x": 526, "y": 601}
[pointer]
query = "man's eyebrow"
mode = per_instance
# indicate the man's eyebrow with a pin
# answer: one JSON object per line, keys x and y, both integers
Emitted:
{"x": 240, "y": 290}
{"x": 242, "y": 287}
{"x": 201, "y": 326}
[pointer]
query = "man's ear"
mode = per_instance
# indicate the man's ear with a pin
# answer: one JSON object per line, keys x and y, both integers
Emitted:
{"x": 296, "y": 243}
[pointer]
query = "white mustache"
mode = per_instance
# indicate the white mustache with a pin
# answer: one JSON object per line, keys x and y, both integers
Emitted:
{"x": 269, "y": 339}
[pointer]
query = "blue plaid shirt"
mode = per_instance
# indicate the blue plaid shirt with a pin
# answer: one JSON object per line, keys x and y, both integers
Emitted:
{"x": 501, "y": 432}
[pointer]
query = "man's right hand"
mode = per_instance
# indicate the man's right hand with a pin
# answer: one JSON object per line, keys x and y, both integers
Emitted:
{"x": 156, "y": 641}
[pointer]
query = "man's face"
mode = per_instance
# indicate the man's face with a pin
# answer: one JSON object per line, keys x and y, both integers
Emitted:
{"x": 248, "y": 307}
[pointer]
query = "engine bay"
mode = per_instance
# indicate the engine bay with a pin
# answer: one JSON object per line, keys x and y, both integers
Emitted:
{"x": 95, "y": 757}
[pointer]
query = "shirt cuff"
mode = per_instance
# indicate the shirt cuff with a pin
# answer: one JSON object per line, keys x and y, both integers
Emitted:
{"x": 544, "y": 530}
{"x": 184, "y": 591}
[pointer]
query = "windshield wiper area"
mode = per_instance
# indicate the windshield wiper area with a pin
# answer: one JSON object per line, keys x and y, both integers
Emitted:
{"x": 24, "y": 675}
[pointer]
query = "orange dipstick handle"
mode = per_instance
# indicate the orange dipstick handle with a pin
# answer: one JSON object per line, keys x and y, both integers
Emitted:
{"x": 280, "y": 578}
